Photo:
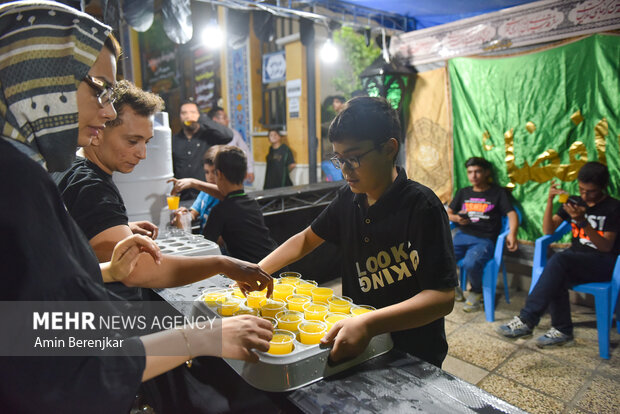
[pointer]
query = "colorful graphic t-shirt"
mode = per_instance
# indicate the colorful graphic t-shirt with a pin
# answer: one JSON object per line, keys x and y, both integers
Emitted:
{"x": 484, "y": 209}
{"x": 602, "y": 217}
{"x": 203, "y": 205}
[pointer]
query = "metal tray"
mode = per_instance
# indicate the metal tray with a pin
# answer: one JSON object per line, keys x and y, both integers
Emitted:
{"x": 305, "y": 365}
{"x": 185, "y": 244}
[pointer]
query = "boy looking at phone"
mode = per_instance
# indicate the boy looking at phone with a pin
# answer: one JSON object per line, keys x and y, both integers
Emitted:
{"x": 595, "y": 222}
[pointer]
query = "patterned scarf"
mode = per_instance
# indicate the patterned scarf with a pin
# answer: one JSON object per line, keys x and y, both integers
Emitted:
{"x": 46, "y": 49}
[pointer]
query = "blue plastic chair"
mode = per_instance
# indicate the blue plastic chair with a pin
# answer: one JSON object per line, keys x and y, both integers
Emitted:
{"x": 605, "y": 293}
{"x": 491, "y": 269}
{"x": 330, "y": 172}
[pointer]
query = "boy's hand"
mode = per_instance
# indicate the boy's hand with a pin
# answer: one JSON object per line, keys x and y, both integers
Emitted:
{"x": 249, "y": 276}
{"x": 350, "y": 338}
{"x": 463, "y": 219}
{"x": 577, "y": 213}
{"x": 145, "y": 228}
{"x": 511, "y": 243}
{"x": 554, "y": 190}
{"x": 180, "y": 184}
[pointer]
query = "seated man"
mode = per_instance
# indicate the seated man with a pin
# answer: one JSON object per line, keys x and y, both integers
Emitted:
{"x": 478, "y": 211}
{"x": 595, "y": 222}
{"x": 93, "y": 200}
{"x": 236, "y": 222}
{"x": 204, "y": 202}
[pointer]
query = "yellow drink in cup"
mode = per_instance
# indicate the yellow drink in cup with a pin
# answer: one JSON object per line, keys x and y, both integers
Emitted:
{"x": 289, "y": 320}
{"x": 282, "y": 291}
{"x": 291, "y": 278}
{"x": 272, "y": 320}
{"x": 270, "y": 307}
{"x": 246, "y": 311}
{"x": 173, "y": 202}
{"x": 311, "y": 332}
{"x": 304, "y": 287}
{"x": 339, "y": 304}
{"x": 563, "y": 198}
{"x": 214, "y": 296}
{"x": 297, "y": 302}
{"x": 321, "y": 294}
{"x": 237, "y": 292}
{"x": 332, "y": 317}
{"x": 315, "y": 311}
{"x": 255, "y": 297}
{"x": 229, "y": 306}
{"x": 357, "y": 310}
{"x": 281, "y": 343}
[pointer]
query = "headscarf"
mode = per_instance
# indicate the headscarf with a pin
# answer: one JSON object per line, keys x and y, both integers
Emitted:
{"x": 46, "y": 49}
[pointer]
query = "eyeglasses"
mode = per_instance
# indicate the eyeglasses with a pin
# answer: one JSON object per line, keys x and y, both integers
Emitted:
{"x": 351, "y": 162}
{"x": 105, "y": 93}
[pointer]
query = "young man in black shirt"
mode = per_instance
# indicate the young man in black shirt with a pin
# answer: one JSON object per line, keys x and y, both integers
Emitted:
{"x": 94, "y": 202}
{"x": 478, "y": 211}
{"x": 595, "y": 222}
{"x": 236, "y": 221}
{"x": 394, "y": 236}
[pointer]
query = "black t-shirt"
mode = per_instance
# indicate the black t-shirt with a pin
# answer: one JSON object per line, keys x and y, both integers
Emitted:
{"x": 602, "y": 217}
{"x": 392, "y": 251}
{"x": 238, "y": 219}
{"x": 278, "y": 160}
{"x": 188, "y": 154}
{"x": 94, "y": 202}
{"x": 45, "y": 257}
{"x": 485, "y": 210}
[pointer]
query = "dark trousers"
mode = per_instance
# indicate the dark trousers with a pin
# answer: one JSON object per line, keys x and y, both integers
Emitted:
{"x": 475, "y": 252}
{"x": 563, "y": 271}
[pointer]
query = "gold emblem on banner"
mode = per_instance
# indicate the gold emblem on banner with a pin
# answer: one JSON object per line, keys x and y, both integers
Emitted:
{"x": 485, "y": 138}
{"x": 530, "y": 127}
{"x": 547, "y": 164}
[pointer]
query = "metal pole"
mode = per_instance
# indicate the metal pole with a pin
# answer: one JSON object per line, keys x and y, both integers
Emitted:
{"x": 312, "y": 139}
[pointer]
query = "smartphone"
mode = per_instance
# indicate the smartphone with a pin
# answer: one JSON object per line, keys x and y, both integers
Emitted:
{"x": 577, "y": 201}
{"x": 463, "y": 215}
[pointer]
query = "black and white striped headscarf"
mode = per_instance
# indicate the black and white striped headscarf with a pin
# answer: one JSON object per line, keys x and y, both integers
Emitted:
{"x": 46, "y": 49}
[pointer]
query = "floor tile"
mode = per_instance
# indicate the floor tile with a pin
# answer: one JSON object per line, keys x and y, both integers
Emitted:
{"x": 483, "y": 351}
{"x": 464, "y": 370}
{"x": 523, "y": 397}
{"x": 602, "y": 396}
{"x": 548, "y": 375}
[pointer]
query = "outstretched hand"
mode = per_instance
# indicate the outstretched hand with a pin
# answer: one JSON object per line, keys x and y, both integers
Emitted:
{"x": 145, "y": 228}
{"x": 126, "y": 253}
{"x": 180, "y": 184}
{"x": 349, "y": 337}
{"x": 249, "y": 276}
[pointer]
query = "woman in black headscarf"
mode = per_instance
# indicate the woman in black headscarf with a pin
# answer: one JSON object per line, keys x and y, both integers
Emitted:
{"x": 54, "y": 60}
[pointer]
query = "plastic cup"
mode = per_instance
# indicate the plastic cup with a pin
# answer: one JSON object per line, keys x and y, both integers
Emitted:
{"x": 321, "y": 294}
{"x": 357, "y": 310}
{"x": 282, "y": 291}
{"x": 291, "y": 278}
{"x": 246, "y": 311}
{"x": 271, "y": 307}
{"x": 563, "y": 198}
{"x": 304, "y": 287}
{"x": 272, "y": 320}
{"x": 229, "y": 306}
{"x": 332, "y": 317}
{"x": 289, "y": 320}
{"x": 311, "y": 332}
{"x": 296, "y": 302}
{"x": 339, "y": 304}
{"x": 281, "y": 343}
{"x": 173, "y": 202}
{"x": 255, "y": 297}
{"x": 315, "y": 311}
{"x": 213, "y": 296}
{"x": 237, "y": 292}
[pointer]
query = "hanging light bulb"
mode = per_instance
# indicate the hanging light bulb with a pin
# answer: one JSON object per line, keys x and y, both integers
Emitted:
{"x": 212, "y": 36}
{"x": 329, "y": 52}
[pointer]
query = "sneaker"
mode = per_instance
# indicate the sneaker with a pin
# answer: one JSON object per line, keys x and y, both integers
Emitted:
{"x": 458, "y": 294}
{"x": 473, "y": 302}
{"x": 516, "y": 328}
{"x": 553, "y": 337}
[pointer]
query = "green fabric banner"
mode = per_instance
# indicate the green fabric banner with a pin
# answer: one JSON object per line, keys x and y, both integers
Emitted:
{"x": 539, "y": 116}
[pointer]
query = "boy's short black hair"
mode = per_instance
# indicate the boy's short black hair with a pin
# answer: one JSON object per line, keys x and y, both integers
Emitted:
{"x": 479, "y": 162}
{"x": 231, "y": 162}
{"x": 365, "y": 118}
{"x": 213, "y": 111}
{"x": 274, "y": 130}
{"x": 594, "y": 172}
{"x": 340, "y": 98}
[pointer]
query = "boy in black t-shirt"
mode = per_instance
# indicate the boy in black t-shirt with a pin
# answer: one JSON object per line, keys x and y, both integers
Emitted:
{"x": 393, "y": 235}
{"x": 595, "y": 222}
{"x": 478, "y": 211}
{"x": 237, "y": 220}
